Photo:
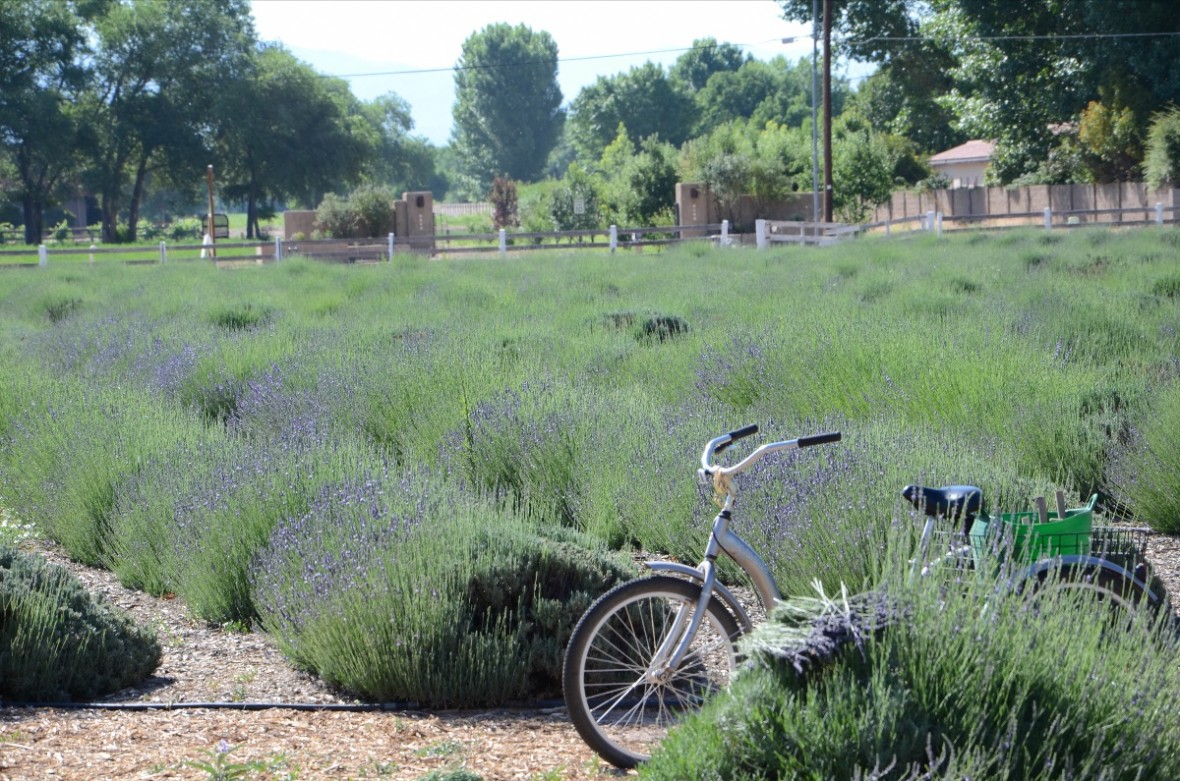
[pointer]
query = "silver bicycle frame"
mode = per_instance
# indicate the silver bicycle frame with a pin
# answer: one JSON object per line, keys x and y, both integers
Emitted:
{"x": 722, "y": 540}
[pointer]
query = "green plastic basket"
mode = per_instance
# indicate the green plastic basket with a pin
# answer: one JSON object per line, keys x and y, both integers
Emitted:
{"x": 1030, "y": 539}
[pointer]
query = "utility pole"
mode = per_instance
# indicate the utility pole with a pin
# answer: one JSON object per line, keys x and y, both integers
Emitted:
{"x": 814, "y": 111}
{"x": 827, "y": 110}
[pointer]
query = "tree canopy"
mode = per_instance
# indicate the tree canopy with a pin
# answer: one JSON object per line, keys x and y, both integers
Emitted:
{"x": 644, "y": 99}
{"x": 507, "y": 104}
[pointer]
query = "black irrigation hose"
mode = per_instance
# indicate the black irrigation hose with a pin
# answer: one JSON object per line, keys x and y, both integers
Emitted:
{"x": 141, "y": 706}
{"x": 252, "y": 706}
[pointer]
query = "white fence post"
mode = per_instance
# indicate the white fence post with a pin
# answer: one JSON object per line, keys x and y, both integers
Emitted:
{"x": 42, "y": 255}
{"x": 92, "y": 249}
{"x": 614, "y": 238}
{"x": 1048, "y": 218}
{"x": 163, "y": 253}
{"x": 725, "y": 233}
{"x": 392, "y": 240}
{"x": 1159, "y": 213}
{"x": 929, "y": 221}
{"x": 278, "y": 248}
{"x": 503, "y": 242}
{"x": 760, "y": 234}
{"x": 938, "y": 225}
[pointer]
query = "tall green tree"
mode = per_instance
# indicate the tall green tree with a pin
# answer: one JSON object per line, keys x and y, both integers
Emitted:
{"x": 507, "y": 109}
{"x": 914, "y": 69}
{"x": 774, "y": 91}
{"x": 401, "y": 161}
{"x": 41, "y": 133}
{"x": 644, "y": 99}
{"x": 155, "y": 71}
{"x": 1024, "y": 69}
{"x": 287, "y": 132}
{"x": 706, "y": 57}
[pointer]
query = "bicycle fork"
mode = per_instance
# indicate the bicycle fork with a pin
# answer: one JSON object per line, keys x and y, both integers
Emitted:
{"x": 687, "y": 622}
{"x": 672, "y": 650}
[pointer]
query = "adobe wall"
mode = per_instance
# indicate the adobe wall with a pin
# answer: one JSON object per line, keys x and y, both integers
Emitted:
{"x": 1031, "y": 200}
{"x": 300, "y": 221}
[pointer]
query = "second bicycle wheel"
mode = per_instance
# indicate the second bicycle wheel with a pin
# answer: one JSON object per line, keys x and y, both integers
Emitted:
{"x": 620, "y": 700}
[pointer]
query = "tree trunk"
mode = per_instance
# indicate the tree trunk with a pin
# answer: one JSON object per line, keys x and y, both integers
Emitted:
{"x": 136, "y": 197}
{"x": 110, "y": 219}
{"x": 33, "y": 210}
{"x": 252, "y": 211}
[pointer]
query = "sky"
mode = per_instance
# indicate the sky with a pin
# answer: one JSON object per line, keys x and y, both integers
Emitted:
{"x": 350, "y": 37}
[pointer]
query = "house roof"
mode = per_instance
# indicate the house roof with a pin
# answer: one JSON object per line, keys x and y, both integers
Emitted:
{"x": 970, "y": 152}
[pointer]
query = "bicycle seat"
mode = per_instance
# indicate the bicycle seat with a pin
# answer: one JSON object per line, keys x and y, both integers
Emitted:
{"x": 951, "y": 501}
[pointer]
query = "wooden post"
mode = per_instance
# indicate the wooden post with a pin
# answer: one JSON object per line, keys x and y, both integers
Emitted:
{"x": 212, "y": 235}
{"x": 1042, "y": 509}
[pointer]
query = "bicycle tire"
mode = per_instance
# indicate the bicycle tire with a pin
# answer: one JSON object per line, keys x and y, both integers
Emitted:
{"x": 1120, "y": 592}
{"x": 618, "y": 713}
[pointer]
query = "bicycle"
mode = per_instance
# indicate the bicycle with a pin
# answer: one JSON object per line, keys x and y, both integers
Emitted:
{"x": 650, "y": 651}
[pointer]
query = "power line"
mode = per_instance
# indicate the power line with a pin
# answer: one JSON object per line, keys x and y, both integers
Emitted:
{"x": 964, "y": 38}
{"x": 544, "y": 61}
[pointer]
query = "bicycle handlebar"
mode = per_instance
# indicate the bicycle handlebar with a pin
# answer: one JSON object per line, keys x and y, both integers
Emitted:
{"x": 719, "y": 445}
{"x": 734, "y": 436}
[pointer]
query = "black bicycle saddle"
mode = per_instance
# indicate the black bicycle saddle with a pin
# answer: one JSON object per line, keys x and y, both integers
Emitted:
{"x": 950, "y": 501}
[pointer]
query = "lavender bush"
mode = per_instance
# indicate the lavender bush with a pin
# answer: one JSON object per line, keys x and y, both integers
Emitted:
{"x": 400, "y": 588}
{"x": 71, "y": 447}
{"x": 149, "y": 430}
{"x": 979, "y": 686}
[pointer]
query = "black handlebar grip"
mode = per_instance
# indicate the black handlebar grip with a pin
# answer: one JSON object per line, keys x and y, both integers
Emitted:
{"x": 819, "y": 439}
{"x": 743, "y": 432}
{"x": 734, "y": 436}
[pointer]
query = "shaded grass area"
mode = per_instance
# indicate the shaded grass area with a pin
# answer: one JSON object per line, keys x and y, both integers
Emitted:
{"x": 178, "y": 424}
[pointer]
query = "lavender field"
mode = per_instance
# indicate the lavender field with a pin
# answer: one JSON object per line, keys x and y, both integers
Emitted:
{"x": 416, "y": 475}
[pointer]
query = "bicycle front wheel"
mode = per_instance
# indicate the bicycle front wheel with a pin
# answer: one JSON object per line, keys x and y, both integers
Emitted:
{"x": 621, "y": 699}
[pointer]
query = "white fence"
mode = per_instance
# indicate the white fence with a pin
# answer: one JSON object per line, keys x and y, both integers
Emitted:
{"x": 461, "y": 209}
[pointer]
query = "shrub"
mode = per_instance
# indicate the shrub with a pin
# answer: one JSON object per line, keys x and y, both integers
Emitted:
{"x": 70, "y": 451}
{"x": 188, "y": 229}
{"x": 366, "y": 213}
{"x": 236, "y": 499}
{"x": 1167, "y": 287}
{"x": 503, "y": 200}
{"x": 521, "y": 453}
{"x": 663, "y": 327}
{"x": 1161, "y": 163}
{"x": 241, "y": 317}
{"x": 373, "y": 206}
{"x": 335, "y": 218}
{"x": 57, "y": 643}
{"x": 976, "y": 686}
{"x": 1152, "y": 468}
{"x": 399, "y": 589}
